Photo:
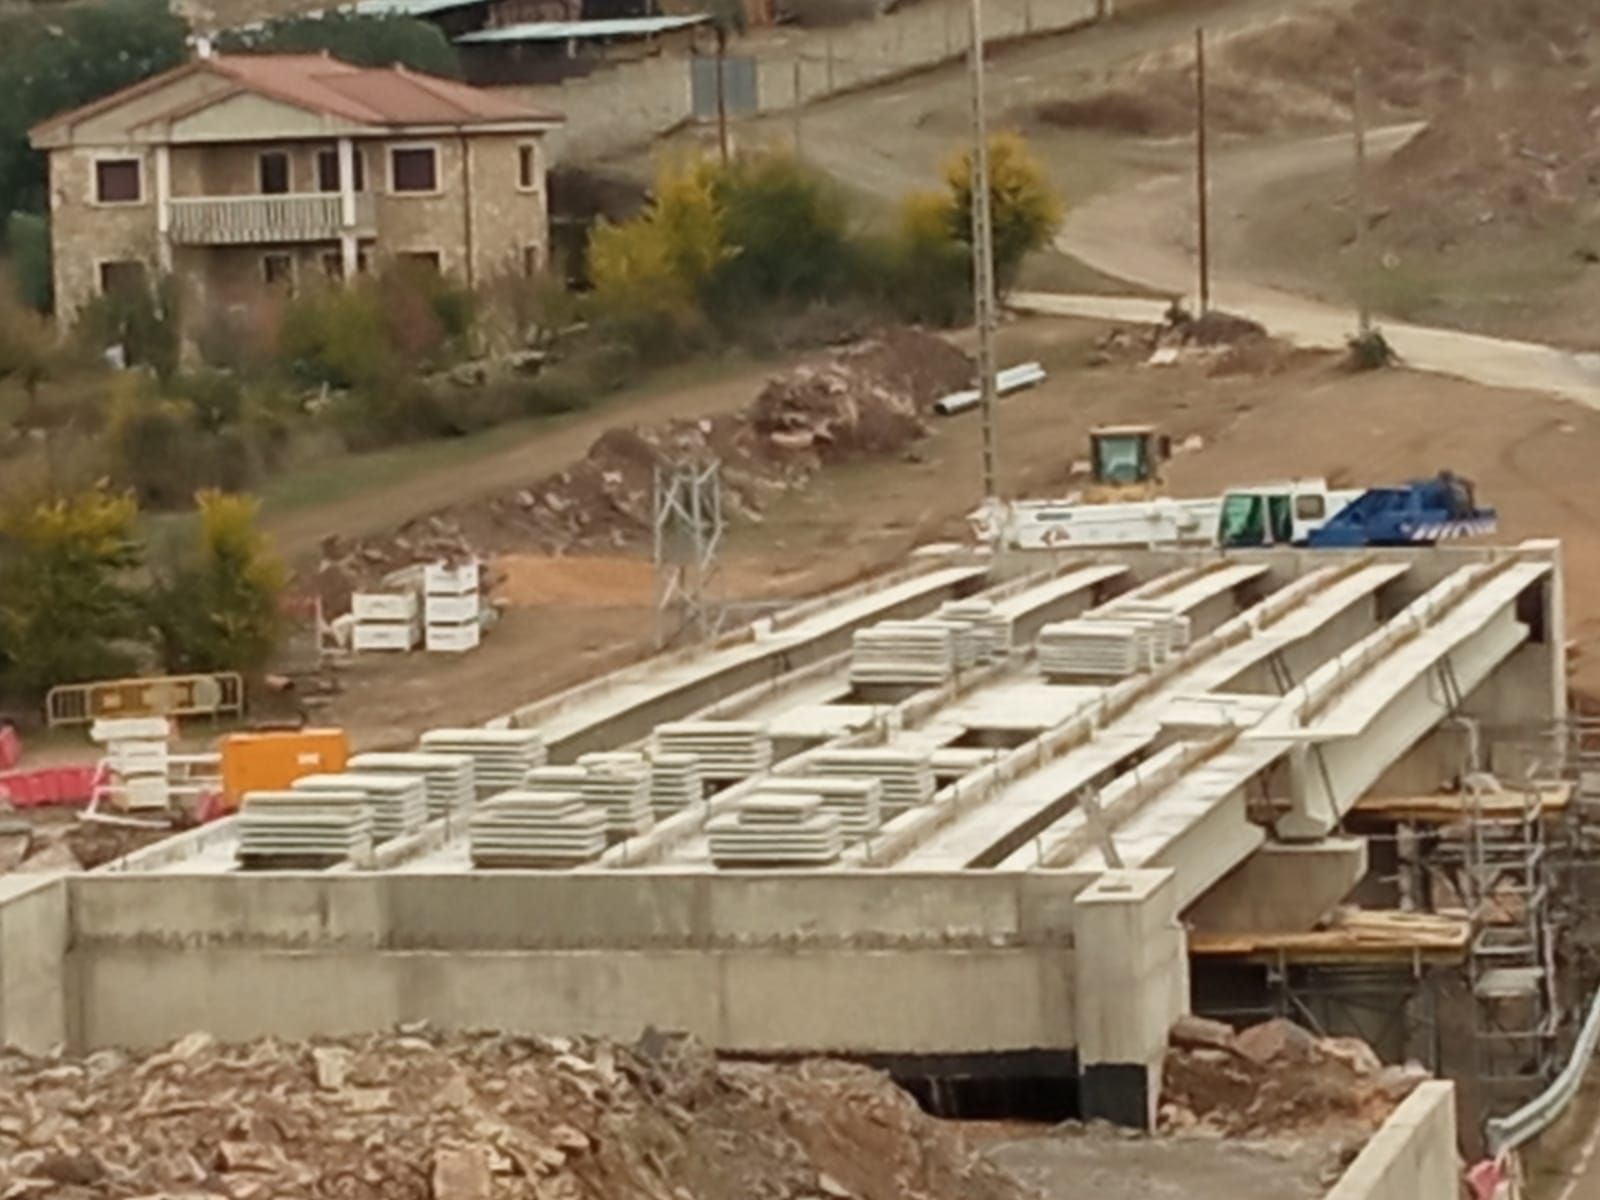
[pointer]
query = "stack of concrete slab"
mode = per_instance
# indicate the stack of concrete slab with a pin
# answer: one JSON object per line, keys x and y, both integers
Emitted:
{"x": 1093, "y": 649}
{"x": 399, "y": 803}
{"x": 501, "y": 758}
{"x": 992, "y": 629}
{"x": 920, "y": 653}
{"x": 906, "y": 776}
{"x": 1178, "y": 626}
{"x": 555, "y": 780}
{"x": 727, "y": 750}
{"x": 675, "y": 783}
{"x": 857, "y": 803}
{"x": 536, "y": 829}
{"x": 447, "y": 778}
{"x": 619, "y": 786}
{"x": 290, "y": 829}
{"x": 1158, "y": 631}
{"x": 776, "y": 831}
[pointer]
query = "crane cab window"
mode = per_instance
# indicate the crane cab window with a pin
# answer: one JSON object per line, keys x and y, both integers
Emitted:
{"x": 1310, "y": 506}
{"x": 1119, "y": 459}
{"x": 1244, "y": 521}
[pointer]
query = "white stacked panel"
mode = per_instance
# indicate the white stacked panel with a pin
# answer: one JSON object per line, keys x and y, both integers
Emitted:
{"x": 555, "y": 780}
{"x": 452, "y": 607}
{"x": 447, "y": 778}
{"x": 1178, "y": 624}
{"x": 920, "y": 653}
{"x": 1099, "y": 648}
{"x": 399, "y": 803}
{"x": 501, "y": 758}
{"x": 906, "y": 776}
{"x": 291, "y": 827}
{"x": 675, "y": 783}
{"x": 384, "y": 621}
{"x": 776, "y": 831}
{"x": 727, "y": 750}
{"x": 619, "y": 785}
{"x": 857, "y": 803}
{"x": 536, "y": 829}
{"x": 993, "y": 628}
{"x": 1156, "y": 632}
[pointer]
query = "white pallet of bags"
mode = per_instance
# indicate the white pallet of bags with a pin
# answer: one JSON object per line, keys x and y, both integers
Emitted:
{"x": 401, "y": 636}
{"x": 1180, "y": 628}
{"x": 906, "y": 776}
{"x": 857, "y": 803}
{"x": 448, "y": 778}
{"x": 289, "y": 829}
{"x": 450, "y": 579}
{"x": 536, "y": 829}
{"x": 993, "y": 629}
{"x": 903, "y": 652}
{"x": 776, "y": 831}
{"x": 385, "y": 607}
{"x": 501, "y": 758}
{"x": 1078, "y": 648}
{"x": 728, "y": 750}
{"x": 399, "y": 803}
{"x": 675, "y": 783}
{"x": 619, "y": 785}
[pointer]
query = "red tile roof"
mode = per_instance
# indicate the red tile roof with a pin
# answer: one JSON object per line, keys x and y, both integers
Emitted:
{"x": 382, "y": 96}
{"x": 369, "y": 95}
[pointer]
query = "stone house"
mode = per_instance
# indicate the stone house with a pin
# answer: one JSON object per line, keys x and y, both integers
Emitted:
{"x": 248, "y": 176}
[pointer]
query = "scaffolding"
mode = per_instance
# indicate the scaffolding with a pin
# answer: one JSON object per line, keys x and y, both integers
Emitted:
{"x": 688, "y": 525}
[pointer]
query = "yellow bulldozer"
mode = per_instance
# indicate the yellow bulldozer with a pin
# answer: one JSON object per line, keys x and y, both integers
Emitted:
{"x": 1125, "y": 463}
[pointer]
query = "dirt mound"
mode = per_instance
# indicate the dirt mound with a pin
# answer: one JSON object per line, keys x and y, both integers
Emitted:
{"x": 867, "y": 399}
{"x": 1298, "y": 71}
{"x": 421, "y": 1117}
{"x": 1276, "y": 1079}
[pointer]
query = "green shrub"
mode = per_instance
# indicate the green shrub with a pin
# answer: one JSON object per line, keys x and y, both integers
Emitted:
{"x": 366, "y": 39}
{"x": 338, "y": 337}
{"x": 144, "y": 321}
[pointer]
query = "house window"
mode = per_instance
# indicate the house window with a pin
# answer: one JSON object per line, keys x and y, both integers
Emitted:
{"x": 122, "y": 278}
{"x": 328, "y": 170}
{"x": 333, "y": 265}
{"x": 278, "y": 269}
{"x": 419, "y": 260}
{"x": 413, "y": 169}
{"x": 532, "y": 261}
{"x": 118, "y": 181}
{"x": 528, "y": 167}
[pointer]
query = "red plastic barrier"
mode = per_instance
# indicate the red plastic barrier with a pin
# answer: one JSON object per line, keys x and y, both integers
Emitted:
{"x": 10, "y": 748}
{"x": 47, "y": 787}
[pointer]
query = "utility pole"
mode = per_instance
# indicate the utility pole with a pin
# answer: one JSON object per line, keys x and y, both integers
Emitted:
{"x": 983, "y": 257}
{"x": 1202, "y": 180}
{"x": 795, "y": 112}
{"x": 1358, "y": 108}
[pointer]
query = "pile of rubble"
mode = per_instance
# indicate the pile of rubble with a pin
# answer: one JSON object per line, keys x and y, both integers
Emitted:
{"x": 870, "y": 398}
{"x": 418, "y": 1116}
{"x": 1276, "y": 1079}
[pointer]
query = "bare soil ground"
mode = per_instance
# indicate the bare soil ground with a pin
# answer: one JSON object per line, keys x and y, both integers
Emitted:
{"x": 1257, "y": 414}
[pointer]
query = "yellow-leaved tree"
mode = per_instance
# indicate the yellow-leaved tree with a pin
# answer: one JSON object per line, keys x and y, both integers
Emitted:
{"x": 648, "y": 272}
{"x": 68, "y": 608}
{"x": 218, "y": 605}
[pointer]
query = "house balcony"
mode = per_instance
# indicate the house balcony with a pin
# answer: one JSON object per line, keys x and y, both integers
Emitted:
{"x": 259, "y": 220}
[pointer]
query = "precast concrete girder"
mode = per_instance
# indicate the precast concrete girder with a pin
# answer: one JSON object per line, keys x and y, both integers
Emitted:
{"x": 1453, "y": 640}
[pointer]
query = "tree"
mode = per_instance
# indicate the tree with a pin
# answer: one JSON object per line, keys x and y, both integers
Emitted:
{"x": 56, "y": 58}
{"x": 649, "y": 272}
{"x": 68, "y": 611}
{"x": 219, "y": 608}
{"x": 366, "y": 39}
{"x": 1025, "y": 208}
{"x": 787, "y": 229}
{"x": 728, "y": 18}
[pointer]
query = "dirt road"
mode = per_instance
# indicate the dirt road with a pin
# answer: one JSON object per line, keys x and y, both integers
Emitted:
{"x": 1143, "y": 234}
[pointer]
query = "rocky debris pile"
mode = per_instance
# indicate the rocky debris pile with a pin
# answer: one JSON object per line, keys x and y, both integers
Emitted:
{"x": 870, "y": 398}
{"x": 419, "y": 1116}
{"x": 47, "y": 840}
{"x": 1276, "y": 1079}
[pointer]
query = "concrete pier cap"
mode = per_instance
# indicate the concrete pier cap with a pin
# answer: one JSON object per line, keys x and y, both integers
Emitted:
{"x": 1131, "y": 983}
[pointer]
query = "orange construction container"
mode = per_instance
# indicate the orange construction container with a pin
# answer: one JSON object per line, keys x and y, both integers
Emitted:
{"x": 264, "y": 762}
